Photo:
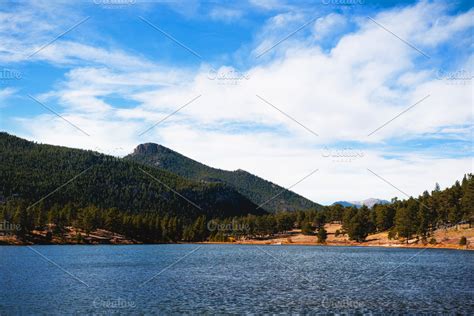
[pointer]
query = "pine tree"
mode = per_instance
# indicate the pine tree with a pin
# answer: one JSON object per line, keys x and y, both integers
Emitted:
{"x": 405, "y": 223}
{"x": 200, "y": 229}
{"x": 306, "y": 228}
{"x": 467, "y": 201}
{"x": 322, "y": 235}
{"x": 319, "y": 220}
{"x": 358, "y": 227}
{"x": 20, "y": 217}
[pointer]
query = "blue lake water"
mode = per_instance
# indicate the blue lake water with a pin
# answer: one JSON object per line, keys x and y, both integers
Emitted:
{"x": 233, "y": 279}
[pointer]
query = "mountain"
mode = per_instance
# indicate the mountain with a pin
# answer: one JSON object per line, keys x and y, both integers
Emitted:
{"x": 260, "y": 191}
{"x": 344, "y": 203}
{"x": 58, "y": 176}
{"x": 367, "y": 202}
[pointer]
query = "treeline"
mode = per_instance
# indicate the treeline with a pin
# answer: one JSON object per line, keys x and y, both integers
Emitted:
{"x": 414, "y": 217}
{"x": 145, "y": 227}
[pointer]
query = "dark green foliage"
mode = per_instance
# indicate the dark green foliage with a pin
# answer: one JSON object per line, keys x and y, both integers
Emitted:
{"x": 467, "y": 200}
{"x": 384, "y": 216}
{"x": 284, "y": 221}
{"x": 358, "y": 226}
{"x": 319, "y": 220}
{"x": 322, "y": 235}
{"x": 463, "y": 241}
{"x": 196, "y": 231}
{"x": 49, "y": 236}
{"x": 306, "y": 228}
{"x": 406, "y": 219}
{"x": 116, "y": 195}
{"x": 32, "y": 171}
{"x": 256, "y": 189}
{"x": 405, "y": 224}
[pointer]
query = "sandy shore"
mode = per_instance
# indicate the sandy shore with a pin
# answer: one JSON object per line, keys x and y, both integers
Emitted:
{"x": 445, "y": 239}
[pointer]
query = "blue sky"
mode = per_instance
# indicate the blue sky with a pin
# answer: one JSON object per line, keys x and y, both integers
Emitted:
{"x": 343, "y": 86}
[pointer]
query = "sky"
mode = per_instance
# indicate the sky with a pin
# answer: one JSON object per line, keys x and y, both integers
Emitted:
{"x": 335, "y": 99}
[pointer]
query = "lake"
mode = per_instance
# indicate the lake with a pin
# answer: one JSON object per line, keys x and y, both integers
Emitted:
{"x": 233, "y": 279}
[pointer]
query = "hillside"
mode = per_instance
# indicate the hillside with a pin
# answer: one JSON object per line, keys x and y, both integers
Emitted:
{"x": 30, "y": 172}
{"x": 53, "y": 194}
{"x": 254, "y": 188}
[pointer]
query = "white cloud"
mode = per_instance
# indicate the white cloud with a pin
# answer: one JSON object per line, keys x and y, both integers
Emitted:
{"x": 282, "y": 160}
{"x": 433, "y": 25}
{"x": 27, "y": 25}
{"x": 35, "y": 31}
{"x": 330, "y": 24}
{"x": 6, "y": 93}
{"x": 270, "y": 4}
{"x": 365, "y": 80}
{"x": 225, "y": 14}
{"x": 65, "y": 52}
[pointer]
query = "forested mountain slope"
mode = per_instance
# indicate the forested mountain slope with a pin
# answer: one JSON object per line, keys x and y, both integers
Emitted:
{"x": 56, "y": 194}
{"x": 31, "y": 171}
{"x": 256, "y": 189}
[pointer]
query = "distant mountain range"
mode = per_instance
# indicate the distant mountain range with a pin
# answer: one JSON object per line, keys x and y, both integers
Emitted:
{"x": 270, "y": 196}
{"x": 368, "y": 202}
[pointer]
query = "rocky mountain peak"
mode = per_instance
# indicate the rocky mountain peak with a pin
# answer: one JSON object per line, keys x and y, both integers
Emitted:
{"x": 147, "y": 148}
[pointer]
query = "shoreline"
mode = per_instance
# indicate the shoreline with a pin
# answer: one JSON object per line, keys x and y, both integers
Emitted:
{"x": 444, "y": 239}
{"x": 438, "y": 246}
